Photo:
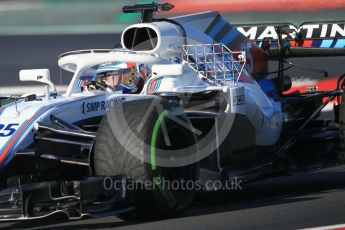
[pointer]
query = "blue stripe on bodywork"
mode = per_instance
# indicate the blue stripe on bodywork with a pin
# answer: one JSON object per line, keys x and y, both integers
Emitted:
{"x": 326, "y": 43}
{"x": 28, "y": 126}
{"x": 317, "y": 43}
{"x": 217, "y": 28}
{"x": 340, "y": 43}
{"x": 36, "y": 116}
{"x": 158, "y": 84}
{"x": 333, "y": 43}
{"x": 229, "y": 36}
{"x": 79, "y": 82}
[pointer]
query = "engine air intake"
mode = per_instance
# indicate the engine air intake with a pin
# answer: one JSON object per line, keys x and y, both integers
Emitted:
{"x": 140, "y": 39}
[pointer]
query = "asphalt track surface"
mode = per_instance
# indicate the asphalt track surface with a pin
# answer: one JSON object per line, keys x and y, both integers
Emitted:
{"x": 25, "y": 52}
{"x": 298, "y": 200}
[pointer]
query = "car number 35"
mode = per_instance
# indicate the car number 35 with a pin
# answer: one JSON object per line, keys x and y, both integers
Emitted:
{"x": 8, "y": 130}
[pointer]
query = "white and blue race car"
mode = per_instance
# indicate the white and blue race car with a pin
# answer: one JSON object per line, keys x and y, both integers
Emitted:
{"x": 184, "y": 105}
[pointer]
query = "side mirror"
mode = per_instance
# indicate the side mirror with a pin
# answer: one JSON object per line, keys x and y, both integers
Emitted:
{"x": 39, "y": 75}
{"x": 167, "y": 69}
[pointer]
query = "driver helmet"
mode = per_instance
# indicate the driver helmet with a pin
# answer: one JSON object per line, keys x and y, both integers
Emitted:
{"x": 124, "y": 77}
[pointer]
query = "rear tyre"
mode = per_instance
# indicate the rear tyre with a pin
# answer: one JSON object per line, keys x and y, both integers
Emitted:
{"x": 112, "y": 156}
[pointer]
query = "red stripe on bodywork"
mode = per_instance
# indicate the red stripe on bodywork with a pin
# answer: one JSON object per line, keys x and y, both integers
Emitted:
{"x": 307, "y": 43}
{"x": 8, "y": 147}
{"x": 152, "y": 86}
{"x": 322, "y": 85}
{"x": 293, "y": 43}
{"x": 10, "y": 144}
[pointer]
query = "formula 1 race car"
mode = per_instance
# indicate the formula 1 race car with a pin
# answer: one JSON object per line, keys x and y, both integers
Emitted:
{"x": 185, "y": 105}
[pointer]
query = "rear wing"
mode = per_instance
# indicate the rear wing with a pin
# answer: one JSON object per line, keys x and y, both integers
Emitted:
{"x": 310, "y": 39}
